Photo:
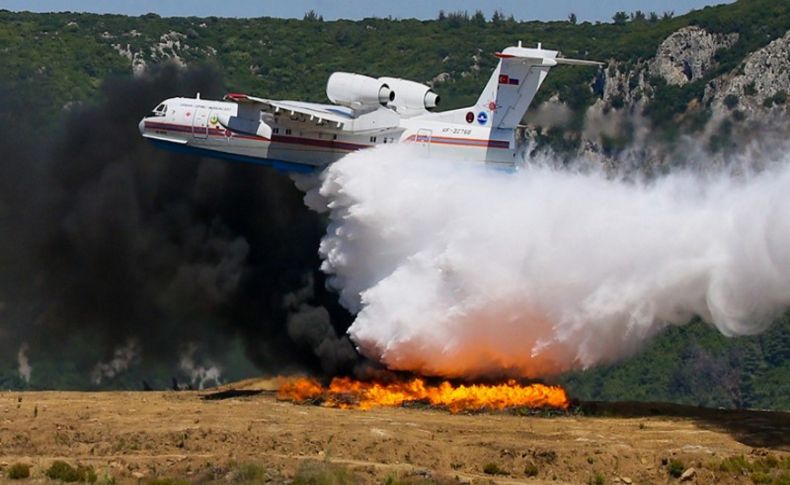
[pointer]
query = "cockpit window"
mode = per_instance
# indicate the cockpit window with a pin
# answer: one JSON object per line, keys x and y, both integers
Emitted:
{"x": 160, "y": 110}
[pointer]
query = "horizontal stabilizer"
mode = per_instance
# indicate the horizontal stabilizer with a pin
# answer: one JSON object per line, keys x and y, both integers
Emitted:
{"x": 548, "y": 61}
{"x": 577, "y": 62}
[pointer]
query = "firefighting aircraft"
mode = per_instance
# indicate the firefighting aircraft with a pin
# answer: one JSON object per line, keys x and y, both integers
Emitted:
{"x": 297, "y": 136}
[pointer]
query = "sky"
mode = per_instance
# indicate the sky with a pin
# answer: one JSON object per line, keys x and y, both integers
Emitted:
{"x": 356, "y": 9}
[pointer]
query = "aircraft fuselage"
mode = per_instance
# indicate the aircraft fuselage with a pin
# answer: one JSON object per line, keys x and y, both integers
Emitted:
{"x": 193, "y": 125}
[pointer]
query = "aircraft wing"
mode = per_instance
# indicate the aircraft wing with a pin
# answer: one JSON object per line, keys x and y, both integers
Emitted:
{"x": 297, "y": 111}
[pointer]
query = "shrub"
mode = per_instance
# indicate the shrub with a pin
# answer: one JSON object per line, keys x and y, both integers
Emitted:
{"x": 531, "y": 470}
{"x": 19, "y": 471}
{"x": 675, "y": 468}
{"x": 249, "y": 472}
{"x": 731, "y": 101}
{"x": 493, "y": 469}
{"x": 87, "y": 474}
{"x": 749, "y": 89}
{"x": 106, "y": 479}
{"x": 323, "y": 473}
{"x": 60, "y": 470}
{"x": 778, "y": 98}
{"x": 734, "y": 464}
{"x": 598, "y": 479}
{"x": 761, "y": 477}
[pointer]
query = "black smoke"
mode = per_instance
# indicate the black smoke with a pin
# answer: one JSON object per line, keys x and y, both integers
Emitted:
{"x": 107, "y": 243}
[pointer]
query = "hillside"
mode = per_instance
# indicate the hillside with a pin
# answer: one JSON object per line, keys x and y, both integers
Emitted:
{"x": 717, "y": 77}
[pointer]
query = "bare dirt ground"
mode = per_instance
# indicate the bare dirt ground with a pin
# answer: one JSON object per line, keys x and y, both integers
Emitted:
{"x": 135, "y": 437}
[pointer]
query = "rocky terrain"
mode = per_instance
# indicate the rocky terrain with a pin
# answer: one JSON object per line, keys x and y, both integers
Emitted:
{"x": 739, "y": 106}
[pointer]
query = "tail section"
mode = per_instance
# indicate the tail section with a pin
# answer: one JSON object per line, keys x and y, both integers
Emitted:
{"x": 515, "y": 81}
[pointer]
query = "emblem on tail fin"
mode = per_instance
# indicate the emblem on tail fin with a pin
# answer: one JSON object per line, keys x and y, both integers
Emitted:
{"x": 516, "y": 80}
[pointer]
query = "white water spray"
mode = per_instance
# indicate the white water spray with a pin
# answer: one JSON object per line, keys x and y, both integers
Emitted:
{"x": 455, "y": 270}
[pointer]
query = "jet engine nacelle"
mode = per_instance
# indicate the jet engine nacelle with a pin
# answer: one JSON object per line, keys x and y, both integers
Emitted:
{"x": 412, "y": 97}
{"x": 357, "y": 91}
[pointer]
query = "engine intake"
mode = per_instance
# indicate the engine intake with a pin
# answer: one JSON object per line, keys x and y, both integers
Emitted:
{"x": 357, "y": 91}
{"x": 413, "y": 97}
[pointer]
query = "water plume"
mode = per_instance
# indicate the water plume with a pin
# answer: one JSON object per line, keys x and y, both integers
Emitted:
{"x": 460, "y": 271}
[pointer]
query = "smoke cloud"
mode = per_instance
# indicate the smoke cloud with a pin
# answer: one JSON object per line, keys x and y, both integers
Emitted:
{"x": 24, "y": 368}
{"x": 199, "y": 375}
{"x": 459, "y": 271}
{"x": 122, "y": 359}
{"x": 105, "y": 240}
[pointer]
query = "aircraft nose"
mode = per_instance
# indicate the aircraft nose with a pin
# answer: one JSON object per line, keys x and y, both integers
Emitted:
{"x": 141, "y": 126}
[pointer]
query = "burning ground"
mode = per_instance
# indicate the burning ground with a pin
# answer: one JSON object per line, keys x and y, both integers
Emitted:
{"x": 346, "y": 393}
{"x": 140, "y": 436}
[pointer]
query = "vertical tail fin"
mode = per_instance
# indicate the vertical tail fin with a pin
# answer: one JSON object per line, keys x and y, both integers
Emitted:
{"x": 516, "y": 80}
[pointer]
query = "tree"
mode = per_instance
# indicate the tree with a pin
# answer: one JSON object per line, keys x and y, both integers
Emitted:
{"x": 456, "y": 19}
{"x": 620, "y": 18}
{"x": 442, "y": 15}
{"x": 721, "y": 371}
{"x": 653, "y": 17}
{"x": 572, "y": 18}
{"x": 497, "y": 17}
{"x": 638, "y": 16}
{"x": 312, "y": 16}
{"x": 479, "y": 18}
{"x": 668, "y": 15}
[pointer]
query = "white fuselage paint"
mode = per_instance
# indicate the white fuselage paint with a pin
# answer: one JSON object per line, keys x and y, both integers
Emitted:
{"x": 194, "y": 124}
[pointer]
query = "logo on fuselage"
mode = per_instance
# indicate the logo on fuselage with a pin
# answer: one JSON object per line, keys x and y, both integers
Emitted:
{"x": 482, "y": 117}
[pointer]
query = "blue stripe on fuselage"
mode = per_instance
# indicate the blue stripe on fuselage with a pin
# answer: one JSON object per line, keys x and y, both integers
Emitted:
{"x": 280, "y": 165}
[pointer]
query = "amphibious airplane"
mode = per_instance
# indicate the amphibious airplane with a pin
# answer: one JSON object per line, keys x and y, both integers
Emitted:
{"x": 297, "y": 136}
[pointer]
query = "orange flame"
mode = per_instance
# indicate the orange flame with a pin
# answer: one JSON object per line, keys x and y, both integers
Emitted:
{"x": 347, "y": 393}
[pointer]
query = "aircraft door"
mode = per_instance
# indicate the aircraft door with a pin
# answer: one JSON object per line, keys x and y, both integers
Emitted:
{"x": 423, "y": 139}
{"x": 200, "y": 123}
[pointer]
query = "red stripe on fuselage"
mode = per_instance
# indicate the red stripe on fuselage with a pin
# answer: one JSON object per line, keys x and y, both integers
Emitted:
{"x": 285, "y": 139}
{"x": 461, "y": 142}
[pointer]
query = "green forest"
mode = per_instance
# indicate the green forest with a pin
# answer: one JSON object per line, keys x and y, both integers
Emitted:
{"x": 52, "y": 62}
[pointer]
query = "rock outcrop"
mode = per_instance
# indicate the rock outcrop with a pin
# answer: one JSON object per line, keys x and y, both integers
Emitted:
{"x": 761, "y": 84}
{"x": 686, "y": 55}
